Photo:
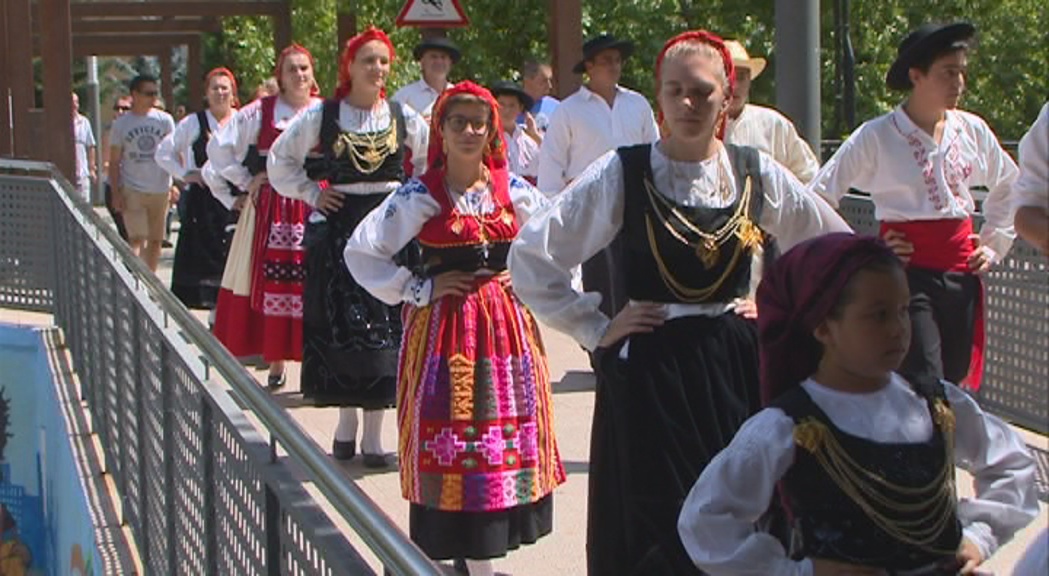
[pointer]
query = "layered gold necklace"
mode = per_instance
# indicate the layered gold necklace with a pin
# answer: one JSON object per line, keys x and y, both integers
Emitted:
{"x": 367, "y": 151}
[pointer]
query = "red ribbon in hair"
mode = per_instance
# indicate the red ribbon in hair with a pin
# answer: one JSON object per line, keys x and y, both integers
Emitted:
{"x": 349, "y": 52}
{"x": 294, "y": 48}
{"x": 228, "y": 74}
{"x": 495, "y": 151}
{"x": 702, "y": 37}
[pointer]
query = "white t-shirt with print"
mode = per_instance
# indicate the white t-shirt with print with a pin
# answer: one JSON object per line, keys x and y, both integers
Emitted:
{"x": 139, "y": 136}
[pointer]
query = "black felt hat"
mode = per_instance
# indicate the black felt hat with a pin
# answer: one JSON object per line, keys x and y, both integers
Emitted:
{"x": 594, "y": 46}
{"x": 929, "y": 38}
{"x": 504, "y": 87}
{"x": 439, "y": 43}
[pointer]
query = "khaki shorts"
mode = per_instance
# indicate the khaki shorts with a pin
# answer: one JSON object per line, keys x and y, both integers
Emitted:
{"x": 145, "y": 214}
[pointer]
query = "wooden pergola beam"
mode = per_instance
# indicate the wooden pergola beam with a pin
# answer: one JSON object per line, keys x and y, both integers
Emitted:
{"x": 176, "y": 8}
{"x": 139, "y": 26}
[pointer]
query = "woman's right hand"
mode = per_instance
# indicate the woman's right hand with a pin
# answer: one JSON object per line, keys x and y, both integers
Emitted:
{"x": 330, "y": 201}
{"x": 453, "y": 283}
{"x": 238, "y": 203}
{"x": 634, "y": 318}
{"x": 822, "y": 567}
{"x": 256, "y": 183}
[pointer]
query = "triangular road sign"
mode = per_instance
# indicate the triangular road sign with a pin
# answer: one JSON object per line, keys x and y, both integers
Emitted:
{"x": 432, "y": 14}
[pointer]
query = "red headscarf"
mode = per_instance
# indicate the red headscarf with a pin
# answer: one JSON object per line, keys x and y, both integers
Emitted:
{"x": 495, "y": 152}
{"x": 350, "y": 52}
{"x": 702, "y": 37}
{"x": 228, "y": 74}
{"x": 796, "y": 294}
{"x": 294, "y": 48}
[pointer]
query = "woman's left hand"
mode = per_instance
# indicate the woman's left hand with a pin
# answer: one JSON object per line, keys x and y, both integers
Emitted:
{"x": 969, "y": 557}
{"x": 746, "y": 308}
{"x": 982, "y": 257}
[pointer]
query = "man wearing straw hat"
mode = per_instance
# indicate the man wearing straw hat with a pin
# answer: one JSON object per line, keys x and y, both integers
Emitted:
{"x": 762, "y": 127}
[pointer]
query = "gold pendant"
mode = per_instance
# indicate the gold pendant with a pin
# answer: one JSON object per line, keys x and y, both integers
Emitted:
{"x": 339, "y": 147}
{"x": 508, "y": 218}
{"x": 707, "y": 252}
{"x": 749, "y": 235}
{"x": 457, "y": 227}
{"x": 372, "y": 156}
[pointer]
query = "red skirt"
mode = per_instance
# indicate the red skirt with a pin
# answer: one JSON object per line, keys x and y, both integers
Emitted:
{"x": 259, "y": 308}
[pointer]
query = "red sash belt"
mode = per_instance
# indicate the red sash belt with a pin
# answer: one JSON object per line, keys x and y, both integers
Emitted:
{"x": 945, "y": 246}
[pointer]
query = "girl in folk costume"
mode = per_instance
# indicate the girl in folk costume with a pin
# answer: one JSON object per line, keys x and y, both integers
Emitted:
{"x": 918, "y": 163}
{"x": 479, "y": 462}
{"x": 351, "y": 338}
{"x": 677, "y": 368}
{"x": 861, "y": 459}
{"x": 200, "y": 256}
{"x": 260, "y": 303}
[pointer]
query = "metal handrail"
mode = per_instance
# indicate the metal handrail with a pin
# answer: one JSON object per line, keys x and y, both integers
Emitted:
{"x": 397, "y": 553}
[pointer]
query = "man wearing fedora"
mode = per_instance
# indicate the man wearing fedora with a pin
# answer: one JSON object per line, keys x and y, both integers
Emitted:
{"x": 522, "y": 141}
{"x": 762, "y": 127}
{"x": 919, "y": 164}
{"x": 436, "y": 57}
{"x": 599, "y": 117}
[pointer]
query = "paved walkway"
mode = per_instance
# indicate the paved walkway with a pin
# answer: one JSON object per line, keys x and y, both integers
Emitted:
{"x": 561, "y": 553}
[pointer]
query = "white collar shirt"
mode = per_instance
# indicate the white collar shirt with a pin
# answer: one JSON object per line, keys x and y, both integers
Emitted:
{"x": 584, "y": 126}
{"x": 523, "y": 153}
{"x": 420, "y": 96}
{"x": 910, "y": 177}
{"x": 1032, "y": 186}
{"x": 774, "y": 134}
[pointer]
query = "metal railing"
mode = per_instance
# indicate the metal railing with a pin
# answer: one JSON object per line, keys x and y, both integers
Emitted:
{"x": 202, "y": 489}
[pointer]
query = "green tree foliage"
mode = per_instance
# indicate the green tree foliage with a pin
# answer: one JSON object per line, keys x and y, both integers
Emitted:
{"x": 1007, "y": 70}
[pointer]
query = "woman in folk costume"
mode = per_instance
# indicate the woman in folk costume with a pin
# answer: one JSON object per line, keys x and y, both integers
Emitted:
{"x": 200, "y": 256}
{"x": 260, "y": 303}
{"x": 479, "y": 462}
{"x": 677, "y": 369}
{"x": 862, "y": 460}
{"x": 351, "y": 339}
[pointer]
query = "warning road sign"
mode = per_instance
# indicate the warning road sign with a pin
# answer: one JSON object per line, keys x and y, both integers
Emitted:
{"x": 432, "y": 14}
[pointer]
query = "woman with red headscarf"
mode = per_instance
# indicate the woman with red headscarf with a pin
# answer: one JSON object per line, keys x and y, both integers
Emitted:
{"x": 479, "y": 462}
{"x": 677, "y": 368}
{"x": 861, "y": 460}
{"x": 200, "y": 256}
{"x": 360, "y": 140}
{"x": 259, "y": 310}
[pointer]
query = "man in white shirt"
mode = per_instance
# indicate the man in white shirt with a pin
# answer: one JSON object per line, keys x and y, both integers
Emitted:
{"x": 537, "y": 79}
{"x": 84, "y": 144}
{"x": 762, "y": 127}
{"x": 1031, "y": 189}
{"x": 918, "y": 163}
{"x": 140, "y": 186}
{"x": 600, "y": 116}
{"x": 435, "y": 56}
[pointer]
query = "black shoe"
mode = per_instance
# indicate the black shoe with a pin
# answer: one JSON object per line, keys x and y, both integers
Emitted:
{"x": 277, "y": 380}
{"x": 376, "y": 461}
{"x": 343, "y": 450}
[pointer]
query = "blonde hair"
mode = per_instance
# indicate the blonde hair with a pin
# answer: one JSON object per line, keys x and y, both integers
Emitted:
{"x": 696, "y": 47}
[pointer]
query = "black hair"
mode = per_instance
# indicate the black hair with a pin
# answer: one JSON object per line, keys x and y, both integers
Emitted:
{"x": 139, "y": 80}
{"x": 881, "y": 263}
{"x": 925, "y": 61}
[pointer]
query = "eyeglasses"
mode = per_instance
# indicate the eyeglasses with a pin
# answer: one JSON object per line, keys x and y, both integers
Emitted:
{"x": 459, "y": 122}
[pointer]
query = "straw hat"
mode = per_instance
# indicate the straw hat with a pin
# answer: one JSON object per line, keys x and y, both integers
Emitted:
{"x": 743, "y": 60}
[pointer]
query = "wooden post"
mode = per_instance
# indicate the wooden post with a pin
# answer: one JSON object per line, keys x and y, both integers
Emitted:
{"x": 56, "y": 34}
{"x": 6, "y": 135}
{"x": 167, "y": 88}
{"x": 20, "y": 69}
{"x": 347, "y": 22}
{"x": 566, "y": 43}
{"x": 194, "y": 77}
{"x": 282, "y": 28}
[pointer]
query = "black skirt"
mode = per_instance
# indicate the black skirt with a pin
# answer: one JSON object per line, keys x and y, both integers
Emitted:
{"x": 351, "y": 340}
{"x": 659, "y": 418}
{"x": 203, "y": 243}
{"x": 479, "y": 535}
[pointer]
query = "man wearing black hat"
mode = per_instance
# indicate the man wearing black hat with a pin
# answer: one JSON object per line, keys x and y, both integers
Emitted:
{"x": 436, "y": 57}
{"x": 919, "y": 163}
{"x": 522, "y": 141}
{"x": 601, "y": 116}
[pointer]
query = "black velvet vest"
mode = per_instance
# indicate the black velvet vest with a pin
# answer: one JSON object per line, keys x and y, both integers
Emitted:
{"x": 200, "y": 145}
{"x": 830, "y": 524}
{"x": 643, "y": 277}
{"x": 337, "y": 168}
